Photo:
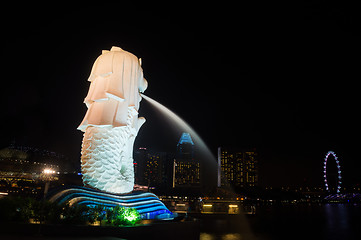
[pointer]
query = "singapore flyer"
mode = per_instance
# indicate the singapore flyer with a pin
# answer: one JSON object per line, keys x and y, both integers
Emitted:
{"x": 338, "y": 172}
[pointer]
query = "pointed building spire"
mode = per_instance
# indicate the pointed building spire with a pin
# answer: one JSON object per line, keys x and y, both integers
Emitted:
{"x": 185, "y": 138}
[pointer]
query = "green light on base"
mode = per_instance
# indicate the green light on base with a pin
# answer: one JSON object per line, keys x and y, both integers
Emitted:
{"x": 131, "y": 215}
{"x": 125, "y": 216}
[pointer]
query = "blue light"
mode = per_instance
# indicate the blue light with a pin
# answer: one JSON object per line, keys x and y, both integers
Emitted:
{"x": 146, "y": 203}
{"x": 185, "y": 138}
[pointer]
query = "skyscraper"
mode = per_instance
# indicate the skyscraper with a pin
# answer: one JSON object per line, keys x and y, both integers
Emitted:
{"x": 237, "y": 168}
{"x": 186, "y": 169}
{"x": 153, "y": 168}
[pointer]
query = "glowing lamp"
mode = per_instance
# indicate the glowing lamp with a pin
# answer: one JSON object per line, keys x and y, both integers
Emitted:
{"x": 48, "y": 171}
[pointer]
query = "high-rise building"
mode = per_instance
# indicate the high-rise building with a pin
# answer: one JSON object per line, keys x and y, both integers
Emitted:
{"x": 140, "y": 157}
{"x": 152, "y": 168}
{"x": 237, "y": 168}
{"x": 186, "y": 169}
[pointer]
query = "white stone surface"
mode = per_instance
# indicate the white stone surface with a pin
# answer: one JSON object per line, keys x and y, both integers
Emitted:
{"x": 111, "y": 122}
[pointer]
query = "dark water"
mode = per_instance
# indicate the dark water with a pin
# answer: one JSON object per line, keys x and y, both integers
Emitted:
{"x": 327, "y": 221}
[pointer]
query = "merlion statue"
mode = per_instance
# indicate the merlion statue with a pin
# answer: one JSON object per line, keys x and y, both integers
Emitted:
{"x": 111, "y": 122}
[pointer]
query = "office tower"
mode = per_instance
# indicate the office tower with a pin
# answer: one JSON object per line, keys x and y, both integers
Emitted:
{"x": 186, "y": 169}
{"x": 153, "y": 169}
{"x": 237, "y": 168}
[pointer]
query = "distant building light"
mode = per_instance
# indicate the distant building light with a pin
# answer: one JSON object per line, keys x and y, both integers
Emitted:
{"x": 207, "y": 205}
{"x": 232, "y": 205}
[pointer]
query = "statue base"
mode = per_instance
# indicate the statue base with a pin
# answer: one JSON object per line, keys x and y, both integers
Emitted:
{"x": 147, "y": 204}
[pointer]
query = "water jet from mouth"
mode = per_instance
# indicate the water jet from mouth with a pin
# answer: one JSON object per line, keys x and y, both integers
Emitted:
{"x": 180, "y": 123}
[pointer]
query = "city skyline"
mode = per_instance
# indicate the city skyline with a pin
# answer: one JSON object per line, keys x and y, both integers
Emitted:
{"x": 169, "y": 155}
{"x": 237, "y": 171}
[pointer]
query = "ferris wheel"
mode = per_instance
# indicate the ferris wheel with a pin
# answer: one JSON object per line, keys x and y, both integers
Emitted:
{"x": 339, "y": 178}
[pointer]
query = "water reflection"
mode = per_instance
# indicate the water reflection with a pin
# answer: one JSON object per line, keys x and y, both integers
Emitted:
{"x": 228, "y": 236}
{"x": 309, "y": 221}
{"x": 231, "y": 236}
{"x": 337, "y": 221}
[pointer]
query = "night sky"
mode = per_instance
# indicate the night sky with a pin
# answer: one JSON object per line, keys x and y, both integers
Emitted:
{"x": 281, "y": 78}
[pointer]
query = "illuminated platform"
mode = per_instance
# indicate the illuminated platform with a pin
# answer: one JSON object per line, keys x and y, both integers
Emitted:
{"x": 146, "y": 203}
{"x": 343, "y": 197}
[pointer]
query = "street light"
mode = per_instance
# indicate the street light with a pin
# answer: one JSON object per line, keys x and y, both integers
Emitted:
{"x": 48, "y": 171}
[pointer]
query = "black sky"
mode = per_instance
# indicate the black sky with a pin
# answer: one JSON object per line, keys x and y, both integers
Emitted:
{"x": 281, "y": 78}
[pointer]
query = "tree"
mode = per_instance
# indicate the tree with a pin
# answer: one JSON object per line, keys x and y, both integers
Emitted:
{"x": 96, "y": 213}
